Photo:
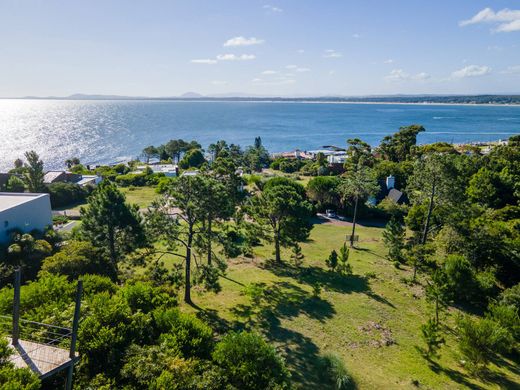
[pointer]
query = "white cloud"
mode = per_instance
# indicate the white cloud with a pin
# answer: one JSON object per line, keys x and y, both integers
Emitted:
{"x": 301, "y": 51}
{"x": 277, "y": 81}
{"x": 515, "y": 69}
{"x": 291, "y": 66}
{"x": 388, "y": 61}
{"x": 506, "y": 20}
{"x": 301, "y": 70}
{"x": 234, "y": 57}
{"x": 356, "y": 36}
{"x": 332, "y": 72}
{"x": 242, "y": 41}
{"x": 401, "y": 75}
{"x": 272, "y": 8}
{"x": 332, "y": 54}
{"x": 269, "y": 72}
{"x": 219, "y": 82}
{"x": 471, "y": 71}
{"x": 207, "y": 61}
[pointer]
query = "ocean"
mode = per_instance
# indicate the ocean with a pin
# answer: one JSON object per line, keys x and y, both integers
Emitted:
{"x": 111, "y": 131}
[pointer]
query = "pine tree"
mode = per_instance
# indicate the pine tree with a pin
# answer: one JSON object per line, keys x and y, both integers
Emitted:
{"x": 393, "y": 237}
{"x": 297, "y": 255}
{"x": 431, "y": 335}
{"x": 344, "y": 267}
{"x": 33, "y": 176}
{"x": 332, "y": 261}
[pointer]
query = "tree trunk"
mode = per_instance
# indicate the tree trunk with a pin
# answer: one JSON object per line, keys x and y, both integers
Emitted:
{"x": 428, "y": 216}
{"x": 209, "y": 241}
{"x": 278, "y": 258}
{"x": 187, "y": 281}
{"x": 354, "y": 222}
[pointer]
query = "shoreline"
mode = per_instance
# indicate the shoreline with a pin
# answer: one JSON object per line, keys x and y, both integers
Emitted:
{"x": 273, "y": 100}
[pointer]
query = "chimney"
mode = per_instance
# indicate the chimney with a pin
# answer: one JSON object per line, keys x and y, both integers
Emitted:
{"x": 390, "y": 182}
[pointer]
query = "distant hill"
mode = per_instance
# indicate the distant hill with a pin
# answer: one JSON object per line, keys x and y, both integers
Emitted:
{"x": 191, "y": 95}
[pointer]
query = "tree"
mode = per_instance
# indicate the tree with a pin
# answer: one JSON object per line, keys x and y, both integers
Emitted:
{"x": 359, "y": 154}
{"x": 250, "y": 363}
{"x": 393, "y": 237}
{"x": 192, "y": 159}
{"x": 76, "y": 258}
{"x": 150, "y": 152}
{"x": 324, "y": 191}
{"x": 12, "y": 378}
{"x": 111, "y": 224}
{"x": 297, "y": 255}
{"x": 398, "y": 147}
{"x": 357, "y": 186}
{"x": 282, "y": 210}
{"x": 15, "y": 184}
{"x": 33, "y": 175}
{"x": 344, "y": 267}
{"x": 183, "y": 201}
{"x": 332, "y": 260}
{"x": 256, "y": 157}
{"x": 431, "y": 334}
{"x": 437, "y": 291}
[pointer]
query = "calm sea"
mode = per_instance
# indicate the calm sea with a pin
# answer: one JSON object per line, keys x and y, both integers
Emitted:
{"x": 110, "y": 131}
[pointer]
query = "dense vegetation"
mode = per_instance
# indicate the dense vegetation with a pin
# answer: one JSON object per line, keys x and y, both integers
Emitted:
{"x": 452, "y": 242}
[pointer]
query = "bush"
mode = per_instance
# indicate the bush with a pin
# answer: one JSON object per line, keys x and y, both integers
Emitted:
{"x": 66, "y": 194}
{"x": 334, "y": 372}
{"x": 132, "y": 179}
{"x": 251, "y": 363}
{"x": 480, "y": 340}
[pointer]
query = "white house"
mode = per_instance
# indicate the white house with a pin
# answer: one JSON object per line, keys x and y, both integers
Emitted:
{"x": 23, "y": 211}
{"x": 169, "y": 170}
{"x": 89, "y": 180}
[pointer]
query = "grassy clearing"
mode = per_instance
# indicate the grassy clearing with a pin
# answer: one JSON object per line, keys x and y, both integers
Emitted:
{"x": 371, "y": 319}
{"x": 141, "y": 196}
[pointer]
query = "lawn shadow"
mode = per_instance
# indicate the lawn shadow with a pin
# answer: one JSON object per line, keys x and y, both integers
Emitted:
{"x": 454, "y": 375}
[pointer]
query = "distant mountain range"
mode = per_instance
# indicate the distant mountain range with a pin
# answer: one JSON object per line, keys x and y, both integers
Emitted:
{"x": 238, "y": 96}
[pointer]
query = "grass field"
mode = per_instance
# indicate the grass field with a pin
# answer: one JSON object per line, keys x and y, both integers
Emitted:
{"x": 141, "y": 196}
{"x": 371, "y": 319}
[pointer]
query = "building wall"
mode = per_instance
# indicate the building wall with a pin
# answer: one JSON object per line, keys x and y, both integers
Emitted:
{"x": 28, "y": 216}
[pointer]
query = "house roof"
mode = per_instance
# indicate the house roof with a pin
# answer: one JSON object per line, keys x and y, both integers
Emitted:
{"x": 395, "y": 195}
{"x": 51, "y": 176}
{"x": 9, "y": 200}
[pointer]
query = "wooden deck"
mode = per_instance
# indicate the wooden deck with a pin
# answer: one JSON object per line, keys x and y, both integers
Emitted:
{"x": 44, "y": 360}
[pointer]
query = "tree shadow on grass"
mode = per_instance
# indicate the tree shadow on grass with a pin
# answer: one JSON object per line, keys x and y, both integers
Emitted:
{"x": 454, "y": 375}
{"x": 331, "y": 281}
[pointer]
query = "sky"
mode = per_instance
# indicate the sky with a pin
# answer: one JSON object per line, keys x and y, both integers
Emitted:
{"x": 162, "y": 48}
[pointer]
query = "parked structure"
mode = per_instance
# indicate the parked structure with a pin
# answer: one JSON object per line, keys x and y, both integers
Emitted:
{"x": 23, "y": 211}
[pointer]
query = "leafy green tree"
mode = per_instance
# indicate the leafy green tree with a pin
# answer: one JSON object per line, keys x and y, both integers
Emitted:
{"x": 437, "y": 292}
{"x": 324, "y": 191}
{"x": 359, "y": 154}
{"x": 256, "y": 157}
{"x": 398, "y": 147}
{"x": 394, "y": 239}
{"x": 111, "y": 224}
{"x": 34, "y": 174}
{"x": 27, "y": 252}
{"x": 357, "y": 186}
{"x": 332, "y": 260}
{"x": 192, "y": 159}
{"x": 344, "y": 267}
{"x": 76, "y": 258}
{"x": 12, "y": 378}
{"x": 15, "y": 184}
{"x": 431, "y": 334}
{"x": 250, "y": 363}
{"x": 150, "y": 152}
{"x": 283, "y": 211}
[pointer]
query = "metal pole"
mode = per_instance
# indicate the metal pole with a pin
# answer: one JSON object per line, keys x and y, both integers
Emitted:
{"x": 75, "y": 324}
{"x": 16, "y": 307}
{"x": 75, "y": 321}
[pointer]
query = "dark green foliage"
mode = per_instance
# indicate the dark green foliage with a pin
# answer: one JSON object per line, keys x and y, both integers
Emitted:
{"x": 192, "y": 159}
{"x": 76, "y": 258}
{"x": 323, "y": 190}
{"x": 297, "y": 255}
{"x": 250, "y": 363}
{"x": 33, "y": 172}
{"x": 432, "y": 336}
{"x": 111, "y": 224}
{"x": 12, "y": 378}
{"x": 334, "y": 372}
{"x": 66, "y": 194}
{"x": 394, "y": 239}
{"x": 332, "y": 260}
{"x": 480, "y": 340}
{"x": 398, "y": 147}
{"x": 344, "y": 267}
{"x": 256, "y": 157}
{"x": 15, "y": 184}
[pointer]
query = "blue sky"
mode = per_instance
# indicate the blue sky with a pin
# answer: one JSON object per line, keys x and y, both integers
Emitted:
{"x": 271, "y": 47}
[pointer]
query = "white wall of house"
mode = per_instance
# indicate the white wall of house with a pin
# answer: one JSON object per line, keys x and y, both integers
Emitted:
{"x": 23, "y": 211}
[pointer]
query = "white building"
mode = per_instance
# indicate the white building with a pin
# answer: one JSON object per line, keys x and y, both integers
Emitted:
{"x": 169, "y": 170}
{"x": 23, "y": 211}
{"x": 89, "y": 180}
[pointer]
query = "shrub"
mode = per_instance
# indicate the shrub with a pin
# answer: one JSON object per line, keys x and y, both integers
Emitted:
{"x": 251, "y": 363}
{"x": 479, "y": 340}
{"x": 66, "y": 194}
{"x": 431, "y": 335}
{"x": 132, "y": 179}
{"x": 334, "y": 372}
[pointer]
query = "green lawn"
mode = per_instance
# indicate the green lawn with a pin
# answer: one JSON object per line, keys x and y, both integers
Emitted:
{"x": 371, "y": 319}
{"x": 141, "y": 196}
